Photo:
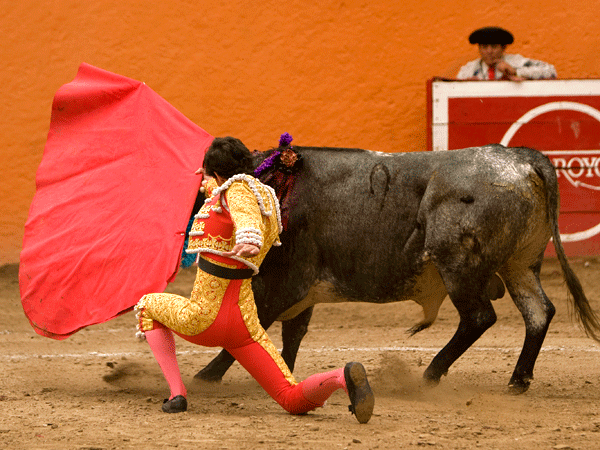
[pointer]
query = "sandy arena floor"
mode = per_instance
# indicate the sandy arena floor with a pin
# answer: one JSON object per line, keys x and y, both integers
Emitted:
{"x": 102, "y": 389}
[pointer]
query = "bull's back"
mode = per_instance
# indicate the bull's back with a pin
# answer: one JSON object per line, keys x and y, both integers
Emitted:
{"x": 365, "y": 222}
{"x": 360, "y": 210}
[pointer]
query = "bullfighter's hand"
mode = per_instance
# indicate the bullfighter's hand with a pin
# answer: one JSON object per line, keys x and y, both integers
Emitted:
{"x": 205, "y": 179}
{"x": 243, "y": 250}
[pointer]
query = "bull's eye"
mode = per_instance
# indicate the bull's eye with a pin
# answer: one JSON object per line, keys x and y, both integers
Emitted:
{"x": 467, "y": 199}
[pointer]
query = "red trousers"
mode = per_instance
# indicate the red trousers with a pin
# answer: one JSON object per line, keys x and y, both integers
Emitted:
{"x": 257, "y": 355}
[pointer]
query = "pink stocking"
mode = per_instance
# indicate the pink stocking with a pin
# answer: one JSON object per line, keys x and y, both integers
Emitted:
{"x": 162, "y": 344}
{"x": 318, "y": 387}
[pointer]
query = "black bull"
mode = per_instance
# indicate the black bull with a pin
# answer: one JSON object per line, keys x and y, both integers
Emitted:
{"x": 376, "y": 227}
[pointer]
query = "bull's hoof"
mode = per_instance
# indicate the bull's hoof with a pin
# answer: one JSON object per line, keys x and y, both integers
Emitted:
{"x": 517, "y": 387}
{"x": 430, "y": 379}
{"x": 429, "y": 383}
{"x": 208, "y": 376}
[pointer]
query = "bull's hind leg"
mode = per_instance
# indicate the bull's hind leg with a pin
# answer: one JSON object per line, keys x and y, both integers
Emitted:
{"x": 476, "y": 315}
{"x": 537, "y": 311}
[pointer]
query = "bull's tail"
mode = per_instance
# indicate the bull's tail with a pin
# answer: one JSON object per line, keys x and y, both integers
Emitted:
{"x": 581, "y": 306}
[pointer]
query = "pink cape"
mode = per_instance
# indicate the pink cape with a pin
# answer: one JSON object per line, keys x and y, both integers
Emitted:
{"x": 114, "y": 193}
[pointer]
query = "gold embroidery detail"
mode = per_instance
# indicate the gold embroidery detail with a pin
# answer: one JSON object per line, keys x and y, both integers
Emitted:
{"x": 186, "y": 316}
{"x": 204, "y": 209}
{"x": 211, "y": 185}
{"x": 198, "y": 226}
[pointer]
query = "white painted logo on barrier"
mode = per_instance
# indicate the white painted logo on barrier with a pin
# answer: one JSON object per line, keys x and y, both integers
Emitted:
{"x": 579, "y": 169}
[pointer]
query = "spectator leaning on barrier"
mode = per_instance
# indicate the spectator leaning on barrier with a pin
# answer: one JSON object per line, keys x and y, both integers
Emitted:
{"x": 494, "y": 64}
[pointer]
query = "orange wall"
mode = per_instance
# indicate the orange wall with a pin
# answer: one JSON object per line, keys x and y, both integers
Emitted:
{"x": 333, "y": 73}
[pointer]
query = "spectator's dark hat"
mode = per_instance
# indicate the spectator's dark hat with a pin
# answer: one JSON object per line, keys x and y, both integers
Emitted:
{"x": 491, "y": 35}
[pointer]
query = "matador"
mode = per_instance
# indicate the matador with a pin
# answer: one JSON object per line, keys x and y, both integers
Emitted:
{"x": 231, "y": 235}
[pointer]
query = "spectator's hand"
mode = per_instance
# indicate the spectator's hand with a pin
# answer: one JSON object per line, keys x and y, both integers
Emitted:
{"x": 507, "y": 70}
{"x": 243, "y": 250}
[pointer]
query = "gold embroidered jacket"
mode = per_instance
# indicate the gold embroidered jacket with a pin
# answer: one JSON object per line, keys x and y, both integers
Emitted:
{"x": 242, "y": 210}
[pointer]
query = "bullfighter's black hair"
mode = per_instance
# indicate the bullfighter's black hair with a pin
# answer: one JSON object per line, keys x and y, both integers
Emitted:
{"x": 227, "y": 156}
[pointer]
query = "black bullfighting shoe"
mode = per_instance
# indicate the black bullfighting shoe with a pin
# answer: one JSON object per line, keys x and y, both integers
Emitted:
{"x": 361, "y": 396}
{"x": 175, "y": 405}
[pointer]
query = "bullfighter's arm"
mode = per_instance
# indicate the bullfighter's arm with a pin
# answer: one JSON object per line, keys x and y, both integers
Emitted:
{"x": 247, "y": 218}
